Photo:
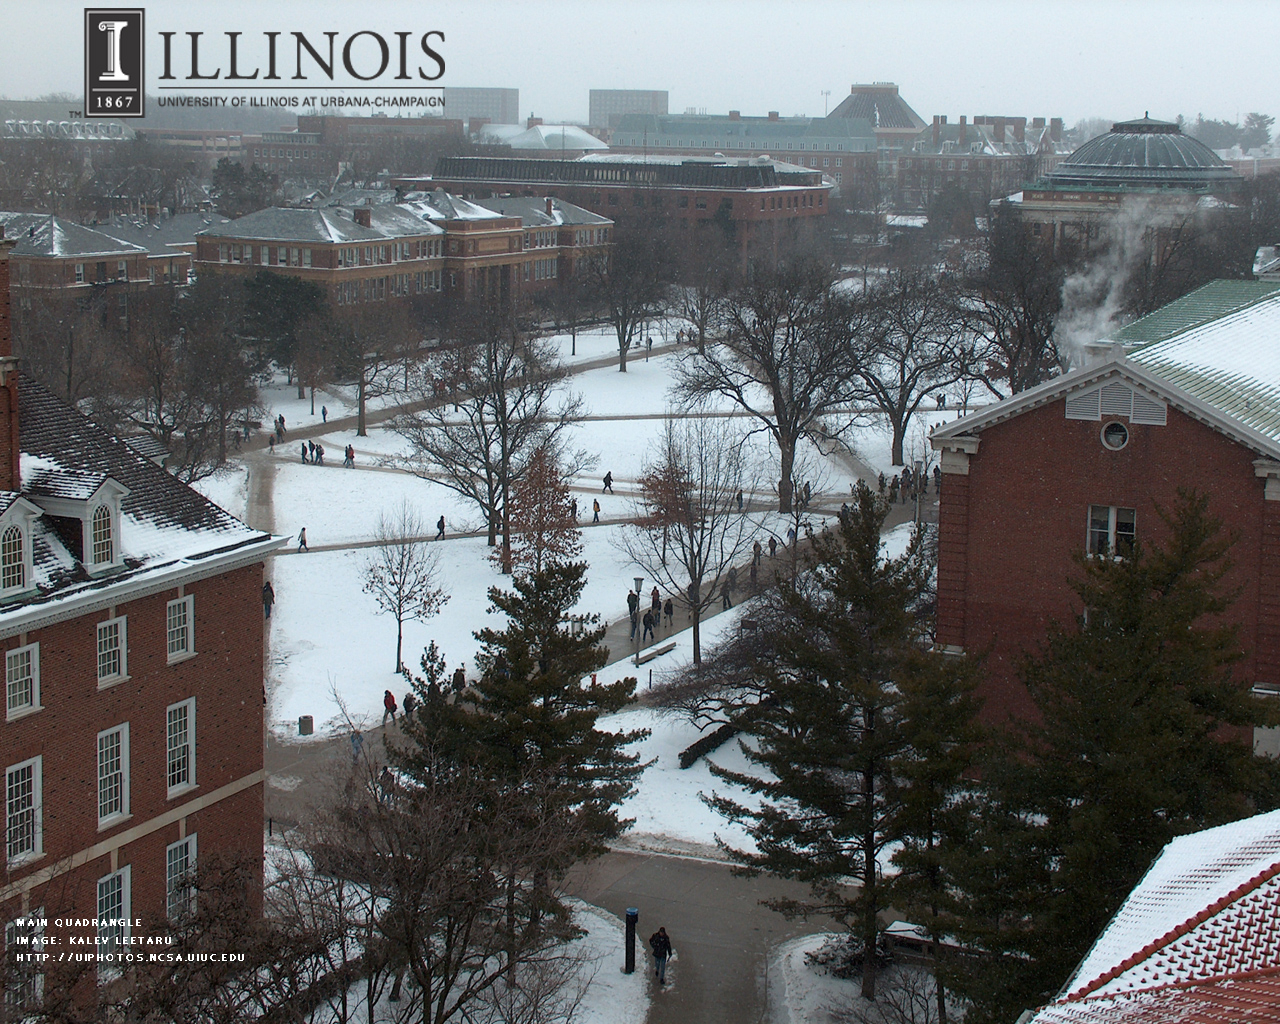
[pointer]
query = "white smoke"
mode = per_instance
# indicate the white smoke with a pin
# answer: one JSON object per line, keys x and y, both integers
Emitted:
{"x": 1092, "y": 296}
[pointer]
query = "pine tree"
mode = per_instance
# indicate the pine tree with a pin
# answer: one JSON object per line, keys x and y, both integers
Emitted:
{"x": 831, "y": 732}
{"x": 544, "y": 528}
{"x": 1144, "y": 734}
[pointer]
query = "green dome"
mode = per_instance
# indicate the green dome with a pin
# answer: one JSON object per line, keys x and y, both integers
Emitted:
{"x": 1144, "y": 154}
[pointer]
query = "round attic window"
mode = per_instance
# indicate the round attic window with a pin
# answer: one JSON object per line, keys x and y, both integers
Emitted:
{"x": 1115, "y": 435}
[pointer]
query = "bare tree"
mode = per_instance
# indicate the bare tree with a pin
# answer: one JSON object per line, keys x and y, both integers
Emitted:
{"x": 784, "y": 358}
{"x": 687, "y": 532}
{"x": 629, "y": 284}
{"x": 482, "y": 407}
{"x": 705, "y": 264}
{"x": 360, "y": 344}
{"x": 403, "y": 573}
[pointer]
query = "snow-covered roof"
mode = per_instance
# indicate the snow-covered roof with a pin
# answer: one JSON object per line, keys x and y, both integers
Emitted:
{"x": 533, "y": 211}
{"x": 166, "y": 527}
{"x": 52, "y": 236}
{"x": 163, "y": 236}
{"x": 1207, "y": 914}
{"x": 542, "y": 137}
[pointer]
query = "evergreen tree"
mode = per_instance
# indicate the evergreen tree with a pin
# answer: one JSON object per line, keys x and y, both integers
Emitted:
{"x": 842, "y": 644}
{"x": 1144, "y": 733}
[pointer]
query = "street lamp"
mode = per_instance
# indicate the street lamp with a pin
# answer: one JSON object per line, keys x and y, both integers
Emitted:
{"x": 639, "y": 582}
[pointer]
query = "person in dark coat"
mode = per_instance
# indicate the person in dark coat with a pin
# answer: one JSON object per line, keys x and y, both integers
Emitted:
{"x": 440, "y": 528}
{"x": 304, "y": 452}
{"x": 669, "y": 609}
{"x": 409, "y": 703}
{"x": 724, "y": 596}
{"x": 595, "y": 508}
{"x": 633, "y": 609}
{"x": 773, "y": 547}
{"x": 459, "y": 679}
{"x": 268, "y": 599}
{"x": 302, "y": 540}
{"x": 660, "y": 943}
{"x": 655, "y": 605}
{"x": 608, "y": 483}
{"x": 757, "y": 553}
{"x": 648, "y": 627}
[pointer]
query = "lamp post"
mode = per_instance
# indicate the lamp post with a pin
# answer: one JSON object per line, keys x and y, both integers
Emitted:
{"x": 639, "y": 582}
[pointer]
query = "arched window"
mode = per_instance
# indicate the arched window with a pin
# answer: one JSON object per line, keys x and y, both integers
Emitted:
{"x": 13, "y": 568}
{"x": 103, "y": 550}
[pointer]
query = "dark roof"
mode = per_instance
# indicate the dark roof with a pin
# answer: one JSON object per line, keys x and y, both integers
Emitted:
{"x": 620, "y": 172}
{"x": 282, "y": 224}
{"x": 160, "y": 237}
{"x": 63, "y": 483}
{"x": 52, "y": 236}
{"x": 879, "y": 104}
{"x": 1145, "y": 154}
{"x": 695, "y": 128}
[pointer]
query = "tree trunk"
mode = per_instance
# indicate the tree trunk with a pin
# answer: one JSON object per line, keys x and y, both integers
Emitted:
{"x": 787, "y": 456}
{"x": 899, "y": 434}
{"x": 399, "y": 643}
{"x": 360, "y": 400}
{"x": 695, "y": 603}
{"x": 622, "y": 356}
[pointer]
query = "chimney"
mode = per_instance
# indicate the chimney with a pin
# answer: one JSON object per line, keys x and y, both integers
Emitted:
{"x": 997, "y": 132}
{"x": 1020, "y": 129}
{"x": 363, "y": 216}
{"x": 735, "y": 115}
{"x": 9, "y": 472}
{"x": 773, "y": 115}
{"x": 1055, "y": 129}
{"x": 533, "y": 122}
{"x": 963, "y": 130}
{"x": 937, "y": 129}
{"x": 1037, "y": 124}
{"x": 550, "y": 212}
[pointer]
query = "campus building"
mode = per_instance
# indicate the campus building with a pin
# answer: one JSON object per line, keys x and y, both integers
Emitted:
{"x": 132, "y": 630}
{"x": 1084, "y": 463}
{"x": 427, "y": 243}
{"x": 492, "y": 106}
{"x": 895, "y": 124}
{"x": 606, "y": 106}
{"x": 323, "y": 143}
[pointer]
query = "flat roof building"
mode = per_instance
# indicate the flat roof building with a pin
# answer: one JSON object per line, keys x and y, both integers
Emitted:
{"x": 497, "y": 106}
{"x": 606, "y": 106}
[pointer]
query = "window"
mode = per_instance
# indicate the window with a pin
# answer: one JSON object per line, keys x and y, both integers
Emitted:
{"x": 122, "y": 270}
{"x": 1115, "y": 435}
{"x": 100, "y": 539}
{"x": 24, "y": 838}
{"x": 179, "y": 866}
{"x": 24, "y": 983}
{"x": 79, "y": 273}
{"x": 181, "y": 743}
{"x": 180, "y": 627}
{"x": 113, "y": 774}
{"x": 113, "y": 918}
{"x": 264, "y": 255}
{"x": 22, "y": 679}
{"x": 1112, "y": 530}
{"x": 112, "y": 650}
{"x": 306, "y": 257}
{"x": 13, "y": 562}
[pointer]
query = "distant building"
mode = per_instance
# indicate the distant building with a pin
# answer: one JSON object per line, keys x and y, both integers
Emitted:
{"x": 206, "y": 146}
{"x": 606, "y": 106}
{"x": 843, "y": 149}
{"x": 568, "y": 140}
{"x": 895, "y": 124}
{"x": 988, "y": 159}
{"x": 760, "y": 202}
{"x": 426, "y": 243}
{"x": 496, "y": 106}
{"x": 324, "y": 143}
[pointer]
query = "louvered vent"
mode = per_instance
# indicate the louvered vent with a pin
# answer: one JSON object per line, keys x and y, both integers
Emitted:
{"x": 1117, "y": 399}
{"x": 1084, "y": 407}
{"x": 1147, "y": 410}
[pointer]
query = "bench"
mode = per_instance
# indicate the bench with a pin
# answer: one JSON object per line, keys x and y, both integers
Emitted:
{"x": 648, "y": 656}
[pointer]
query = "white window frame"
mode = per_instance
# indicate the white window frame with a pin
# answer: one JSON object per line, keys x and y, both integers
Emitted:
{"x": 120, "y": 813}
{"x": 37, "y": 811}
{"x": 109, "y": 935}
{"x": 1112, "y": 517}
{"x": 23, "y": 561}
{"x": 188, "y": 649}
{"x": 174, "y": 889}
{"x": 189, "y": 743}
{"x": 29, "y": 991}
{"x": 93, "y": 561}
{"x": 22, "y": 710}
{"x": 79, "y": 273}
{"x": 123, "y": 646}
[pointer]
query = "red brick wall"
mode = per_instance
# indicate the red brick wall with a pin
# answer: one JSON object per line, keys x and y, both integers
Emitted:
{"x": 225, "y": 677}
{"x": 1029, "y": 490}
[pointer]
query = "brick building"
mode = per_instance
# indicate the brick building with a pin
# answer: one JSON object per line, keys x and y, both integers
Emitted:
{"x": 427, "y": 243}
{"x": 895, "y": 124}
{"x": 1083, "y": 462}
{"x": 323, "y": 143}
{"x": 132, "y": 632}
{"x": 988, "y": 159}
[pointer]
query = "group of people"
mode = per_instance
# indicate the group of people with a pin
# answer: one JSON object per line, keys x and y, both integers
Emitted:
{"x": 904, "y": 486}
{"x": 653, "y": 617}
{"x": 313, "y": 453}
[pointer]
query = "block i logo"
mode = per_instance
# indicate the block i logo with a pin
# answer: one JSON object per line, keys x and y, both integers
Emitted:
{"x": 114, "y": 85}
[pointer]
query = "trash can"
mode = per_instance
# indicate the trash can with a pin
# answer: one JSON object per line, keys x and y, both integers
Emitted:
{"x": 305, "y": 725}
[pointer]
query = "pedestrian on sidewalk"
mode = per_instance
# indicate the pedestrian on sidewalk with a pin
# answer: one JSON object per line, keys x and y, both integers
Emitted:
{"x": 440, "y": 528}
{"x": 386, "y": 781}
{"x": 302, "y": 541}
{"x": 271, "y": 443}
{"x": 357, "y": 743}
{"x": 409, "y": 703}
{"x": 319, "y": 456}
{"x": 725, "y": 603}
{"x": 733, "y": 579}
{"x": 739, "y": 501}
{"x": 608, "y": 483}
{"x": 573, "y": 508}
{"x": 655, "y": 604}
{"x": 268, "y": 599}
{"x": 349, "y": 457}
{"x": 882, "y": 481}
{"x": 304, "y": 452}
{"x": 633, "y": 609}
{"x": 660, "y": 943}
{"x": 757, "y": 553}
{"x": 595, "y": 507}
{"x": 388, "y": 706}
{"x": 791, "y": 536}
{"x": 648, "y": 627}
{"x": 324, "y": 414}
{"x": 773, "y": 547}
{"x": 311, "y": 447}
{"x": 669, "y": 609}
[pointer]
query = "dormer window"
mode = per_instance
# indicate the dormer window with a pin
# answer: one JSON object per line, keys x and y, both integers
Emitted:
{"x": 16, "y": 518}
{"x": 102, "y": 541}
{"x": 13, "y": 564}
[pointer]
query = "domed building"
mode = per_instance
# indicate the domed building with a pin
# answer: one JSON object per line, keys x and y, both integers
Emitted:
{"x": 1145, "y": 163}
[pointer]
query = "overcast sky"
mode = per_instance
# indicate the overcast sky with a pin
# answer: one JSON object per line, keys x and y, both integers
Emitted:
{"x": 1046, "y": 58}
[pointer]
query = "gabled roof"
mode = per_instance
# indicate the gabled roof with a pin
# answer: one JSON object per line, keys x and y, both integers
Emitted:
{"x": 52, "y": 236}
{"x": 161, "y": 237}
{"x": 1198, "y": 939}
{"x": 533, "y": 211}
{"x": 1208, "y": 302}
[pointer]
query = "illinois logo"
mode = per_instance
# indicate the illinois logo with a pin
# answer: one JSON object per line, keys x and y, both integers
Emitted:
{"x": 114, "y": 85}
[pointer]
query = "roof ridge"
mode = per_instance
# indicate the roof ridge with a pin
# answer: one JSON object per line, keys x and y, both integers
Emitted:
{"x": 1186, "y": 983}
{"x": 1177, "y": 932}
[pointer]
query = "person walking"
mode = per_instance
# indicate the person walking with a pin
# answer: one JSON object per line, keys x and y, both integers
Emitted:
{"x": 311, "y": 447}
{"x": 669, "y": 610}
{"x": 648, "y": 627}
{"x": 324, "y": 414}
{"x": 725, "y": 603}
{"x": 268, "y": 599}
{"x": 271, "y": 444}
{"x": 595, "y": 508}
{"x": 388, "y": 706}
{"x": 348, "y": 457}
{"x": 633, "y": 609}
{"x": 440, "y": 528}
{"x": 573, "y": 509}
{"x": 302, "y": 541}
{"x": 409, "y": 703}
{"x": 773, "y": 547}
{"x": 739, "y": 501}
{"x": 660, "y": 943}
{"x": 655, "y": 604}
{"x": 319, "y": 456}
{"x": 608, "y": 483}
{"x": 357, "y": 744}
{"x": 304, "y": 452}
{"x": 937, "y": 479}
{"x": 882, "y": 481}
{"x": 757, "y": 553}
